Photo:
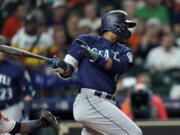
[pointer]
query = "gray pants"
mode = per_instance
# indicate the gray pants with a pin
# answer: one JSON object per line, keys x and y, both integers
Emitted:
{"x": 102, "y": 115}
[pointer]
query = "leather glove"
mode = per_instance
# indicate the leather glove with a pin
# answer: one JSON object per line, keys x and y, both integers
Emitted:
{"x": 47, "y": 119}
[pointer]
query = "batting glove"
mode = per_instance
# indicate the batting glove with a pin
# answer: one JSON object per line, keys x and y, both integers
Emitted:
{"x": 87, "y": 52}
{"x": 56, "y": 62}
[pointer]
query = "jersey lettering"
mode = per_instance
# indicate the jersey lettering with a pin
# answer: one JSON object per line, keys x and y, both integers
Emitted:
{"x": 101, "y": 52}
{"x": 116, "y": 56}
{"x": 106, "y": 53}
{"x": 5, "y": 80}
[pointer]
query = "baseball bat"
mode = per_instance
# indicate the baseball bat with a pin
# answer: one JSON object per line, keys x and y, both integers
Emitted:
{"x": 20, "y": 52}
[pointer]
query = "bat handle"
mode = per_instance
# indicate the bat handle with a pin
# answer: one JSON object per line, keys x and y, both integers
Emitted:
{"x": 54, "y": 64}
{"x": 47, "y": 59}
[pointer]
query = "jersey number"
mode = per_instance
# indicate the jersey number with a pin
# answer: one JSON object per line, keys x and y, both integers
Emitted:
{"x": 6, "y": 94}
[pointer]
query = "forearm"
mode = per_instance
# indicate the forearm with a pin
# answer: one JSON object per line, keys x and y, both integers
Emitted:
{"x": 108, "y": 64}
{"x": 24, "y": 127}
{"x": 28, "y": 126}
{"x": 116, "y": 66}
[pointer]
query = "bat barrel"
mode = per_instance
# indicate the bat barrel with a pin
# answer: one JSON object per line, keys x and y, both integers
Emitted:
{"x": 20, "y": 52}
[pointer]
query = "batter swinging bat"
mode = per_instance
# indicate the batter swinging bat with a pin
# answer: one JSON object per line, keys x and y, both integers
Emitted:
{"x": 20, "y": 52}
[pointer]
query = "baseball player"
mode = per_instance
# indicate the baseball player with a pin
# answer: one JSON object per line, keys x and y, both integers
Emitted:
{"x": 100, "y": 60}
{"x": 45, "y": 119}
{"x": 15, "y": 86}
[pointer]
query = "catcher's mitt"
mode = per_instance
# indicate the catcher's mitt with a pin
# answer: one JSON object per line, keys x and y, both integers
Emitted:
{"x": 47, "y": 119}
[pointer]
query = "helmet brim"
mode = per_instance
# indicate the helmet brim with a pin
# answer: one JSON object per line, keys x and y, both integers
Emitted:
{"x": 130, "y": 23}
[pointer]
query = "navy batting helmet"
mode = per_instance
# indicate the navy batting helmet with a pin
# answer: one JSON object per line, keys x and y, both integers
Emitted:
{"x": 117, "y": 22}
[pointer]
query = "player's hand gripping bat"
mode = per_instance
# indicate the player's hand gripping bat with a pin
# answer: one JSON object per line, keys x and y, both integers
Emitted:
{"x": 19, "y": 52}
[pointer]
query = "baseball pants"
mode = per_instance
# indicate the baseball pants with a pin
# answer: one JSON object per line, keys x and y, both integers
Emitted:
{"x": 102, "y": 115}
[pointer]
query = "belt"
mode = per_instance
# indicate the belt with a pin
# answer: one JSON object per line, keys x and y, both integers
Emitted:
{"x": 107, "y": 96}
{"x": 98, "y": 93}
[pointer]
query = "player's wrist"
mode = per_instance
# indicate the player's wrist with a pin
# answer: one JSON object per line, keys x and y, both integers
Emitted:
{"x": 27, "y": 126}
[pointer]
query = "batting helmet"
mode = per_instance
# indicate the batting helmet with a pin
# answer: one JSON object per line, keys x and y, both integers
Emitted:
{"x": 117, "y": 22}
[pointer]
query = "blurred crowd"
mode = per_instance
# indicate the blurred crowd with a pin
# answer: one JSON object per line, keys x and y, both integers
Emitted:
{"x": 47, "y": 27}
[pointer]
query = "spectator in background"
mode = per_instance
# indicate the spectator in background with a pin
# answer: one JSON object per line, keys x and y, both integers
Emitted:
{"x": 175, "y": 92}
{"x": 84, "y": 30}
{"x": 72, "y": 27}
{"x": 29, "y": 38}
{"x": 43, "y": 28}
{"x": 126, "y": 84}
{"x": 129, "y": 6}
{"x": 90, "y": 17}
{"x": 144, "y": 78}
{"x": 176, "y": 12}
{"x": 39, "y": 14}
{"x": 14, "y": 22}
{"x": 75, "y": 2}
{"x": 176, "y": 20}
{"x": 59, "y": 43}
{"x": 150, "y": 38}
{"x": 15, "y": 86}
{"x": 137, "y": 34}
{"x": 153, "y": 9}
{"x": 58, "y": 14}
{"x": 141, "y": 103}
{"x": 166, "y": 56}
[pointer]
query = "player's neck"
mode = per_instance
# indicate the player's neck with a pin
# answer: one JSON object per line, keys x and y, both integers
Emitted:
{"x": 110, "y": 36}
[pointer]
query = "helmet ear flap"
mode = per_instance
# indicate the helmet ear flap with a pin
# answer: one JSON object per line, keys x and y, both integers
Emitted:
{"x": 118, "y": 29}
{"x": 127, "y": 34}
{"x": 121, "y": 30}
